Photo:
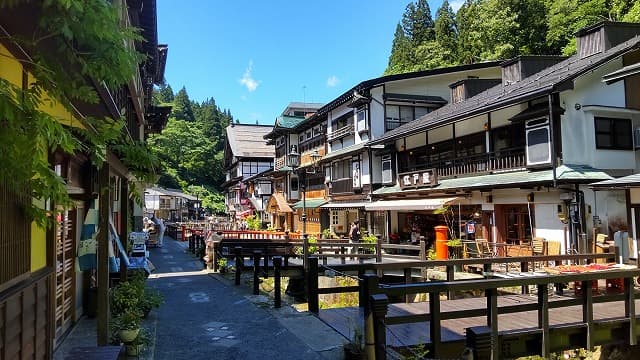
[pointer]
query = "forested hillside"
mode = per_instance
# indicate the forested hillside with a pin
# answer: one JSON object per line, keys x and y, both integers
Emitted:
{"x": 190, "y": 147}
{"x": 496, "y": 29}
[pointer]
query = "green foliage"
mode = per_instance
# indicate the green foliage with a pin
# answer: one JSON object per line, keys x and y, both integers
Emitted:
{"x": 72, "y": 41}
{"x": 484, "y": 30}
{"x": 328, "y": 234}
{"x": 312, "y": 249}
{"x": 254, "y": 222}
{"x": 369, "y": 239}
{"x": 222, "y": 264}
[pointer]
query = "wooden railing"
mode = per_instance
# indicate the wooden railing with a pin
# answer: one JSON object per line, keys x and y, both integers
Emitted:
{"x": 503, "y": 160}
{"x": 340, "y": 133}
{"x": 341, "y": 186}
{"x": 375, "y": 297}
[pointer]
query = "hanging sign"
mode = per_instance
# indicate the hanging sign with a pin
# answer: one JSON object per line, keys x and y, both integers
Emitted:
{"x": 471, "y": 227}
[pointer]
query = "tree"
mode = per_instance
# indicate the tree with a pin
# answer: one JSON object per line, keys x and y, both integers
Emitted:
{"x": 568, "y": 16}
{"x": 446, "y": 33}
{"x": 164, "y": 95}
{"x": 182, "y": 108}
{"x": 417, "y": 22}
{"x": 469, "y": 40}
{"x": 400, "y": 57}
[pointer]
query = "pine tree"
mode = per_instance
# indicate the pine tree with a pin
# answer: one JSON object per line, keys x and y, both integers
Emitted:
{"x": 446, "y": 33}
{"x": 417, "y": 22}
{"x": 400, "y": 56}
{"x": 182, "y": 109}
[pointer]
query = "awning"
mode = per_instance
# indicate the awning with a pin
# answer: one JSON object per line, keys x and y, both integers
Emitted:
{"x": 409, "y": 204}
{"x": 344, "y": 205}
{"x": 309, "y": 203}
{"x": 347, "y": 151}
{"x": 625, "y": 182}
{"x": 278, "y": 204}
{"x": 536, "y": 111}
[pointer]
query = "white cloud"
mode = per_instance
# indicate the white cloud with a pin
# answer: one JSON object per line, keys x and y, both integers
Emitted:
{"x": 247, "y": 80}
{"x": 332, "y": 81}
{"x": 456, "y": 5}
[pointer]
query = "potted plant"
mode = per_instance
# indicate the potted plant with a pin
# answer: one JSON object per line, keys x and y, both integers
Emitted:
{"x": 369, "y": 239}
{"x": 150, "y": 299}
{"x": 136, "y": 345}
{"x": 128, "y": 323}
{"x": 454, "y": 247}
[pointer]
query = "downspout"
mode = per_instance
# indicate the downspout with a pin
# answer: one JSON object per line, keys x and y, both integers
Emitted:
{"x": 552, "y": 140}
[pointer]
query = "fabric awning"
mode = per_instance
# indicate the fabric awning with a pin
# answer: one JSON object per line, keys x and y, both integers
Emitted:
{"x": 409, "y": 204}
{"x": 344, "y": 205}
{"x": 278, "y": 204}
{"x": 309, "y": 203}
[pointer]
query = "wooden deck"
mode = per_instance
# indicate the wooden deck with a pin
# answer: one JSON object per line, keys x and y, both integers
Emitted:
{"x": 344, "y": 320}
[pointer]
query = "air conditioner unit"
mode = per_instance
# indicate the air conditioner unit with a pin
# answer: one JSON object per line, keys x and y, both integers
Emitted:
{"x": 636, "y": 138}
{"x": 538, "y": 142}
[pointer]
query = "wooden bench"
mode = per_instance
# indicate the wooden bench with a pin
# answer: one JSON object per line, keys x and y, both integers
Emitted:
{"x": 112, "y": 352}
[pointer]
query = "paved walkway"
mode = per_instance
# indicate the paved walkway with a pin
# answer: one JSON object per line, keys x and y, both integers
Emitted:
{"x": 204, "y": 316}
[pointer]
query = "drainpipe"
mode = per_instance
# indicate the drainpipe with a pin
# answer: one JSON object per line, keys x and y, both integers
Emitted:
{"x": 551, "y": 138}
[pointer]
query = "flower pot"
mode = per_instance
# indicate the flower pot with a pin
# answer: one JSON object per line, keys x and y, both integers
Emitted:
{"x": 128, "y": 335}
{"x": 134, "y": 350}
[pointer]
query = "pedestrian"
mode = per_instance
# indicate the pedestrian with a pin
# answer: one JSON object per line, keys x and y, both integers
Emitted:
{"x": 159, "y": 225}
{"x": 354, "y": 233}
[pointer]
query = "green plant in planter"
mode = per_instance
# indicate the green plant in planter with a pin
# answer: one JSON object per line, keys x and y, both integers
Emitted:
{"x": 327, "y": 234}
{"x": 354, "y": 349}
{"x": 222, "y": 265}
{"x": 130, "y": 319}
{"x": 135, "y": 346}
{"x": 151, "y": 299}
{"x": 312, "y": 248}
{"x": 126, "y": 295}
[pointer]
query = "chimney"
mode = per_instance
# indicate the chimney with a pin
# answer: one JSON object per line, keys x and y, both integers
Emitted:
{"x": 603, "y": 36}
{"x": 523, "y": 66}
{"x": 463, "y": 89}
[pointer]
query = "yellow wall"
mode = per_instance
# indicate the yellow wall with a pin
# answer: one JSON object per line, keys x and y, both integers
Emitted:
{"x": 11, "y": 70}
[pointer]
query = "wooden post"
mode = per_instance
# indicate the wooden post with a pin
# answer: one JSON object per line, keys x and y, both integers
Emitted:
{"x": 451, "y": 277}
{"x": 434, "y": 324}
{"x": 407, "y": 280}
{"x": 312, "y": 286}
{"x": 103, "y": 256}
{"x": 423, "y": 257}
{"x": 124, "y": 220}
{"x": 237, "y": 251}
{"x": 492, "y": 320}
{"x": 378, "y": 248}
{"x": 256, "y": 272}
{"x": 543, "y": 319}
{"x": 630, "y": 309}
{"x": 343, "y": 251}
{"x": 379, "y": 304}
{"x": 277, "y": 265}
{"x": 587, "y": 311}
{"x": 368, "y": 287}
{"x": 305, "y": 252}
{"x": 524, "y": 267}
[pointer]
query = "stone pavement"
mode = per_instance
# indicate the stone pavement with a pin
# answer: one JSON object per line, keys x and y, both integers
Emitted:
{"x": 204, "y": 316}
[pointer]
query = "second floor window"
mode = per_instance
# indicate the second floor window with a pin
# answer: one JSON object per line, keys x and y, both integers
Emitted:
{"x": 397, "y": 115}
{"x": 250, "y": 168}
{"x": 341, "y": 169}
{"x": 613, "y": 134}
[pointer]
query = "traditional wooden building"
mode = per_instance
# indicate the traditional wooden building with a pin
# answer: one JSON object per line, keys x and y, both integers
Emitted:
{"x": 516, "y": 160}
{"x": 42, "y": 294}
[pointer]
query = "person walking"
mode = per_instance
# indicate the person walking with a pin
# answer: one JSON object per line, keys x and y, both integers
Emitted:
{"x": 159, "y": 225}
{"x": 354, "y": 233}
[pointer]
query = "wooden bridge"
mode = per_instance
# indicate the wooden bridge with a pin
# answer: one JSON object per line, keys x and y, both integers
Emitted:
{"x": 497, "y": 325}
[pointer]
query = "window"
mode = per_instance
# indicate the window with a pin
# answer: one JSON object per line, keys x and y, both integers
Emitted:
{"x": 341, "y": 169}
{"x": 361, "y": 118}
{"x": 250, "y": 168}
{"x": 386, "y": 170}
{"x": 613, "y": 134}
{"x": 294, "y": 184}
{"x": 165, "y": 203}
{"x": 397, "y": 115}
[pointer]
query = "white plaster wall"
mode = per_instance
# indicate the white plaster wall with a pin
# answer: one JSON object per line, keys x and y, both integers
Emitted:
{"x": 471, "y": 126}
{"x": 415, "y": 141}
{"x": 440, "y": 134}
{"x": 376, "y": 112}
{"x": 578, "y": 131}
{"x": 635, "y": 195}
{"x": 365, "y": 173}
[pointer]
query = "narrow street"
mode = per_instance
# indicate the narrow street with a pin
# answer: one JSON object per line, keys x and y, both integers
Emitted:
{"x": 204, "y": 316}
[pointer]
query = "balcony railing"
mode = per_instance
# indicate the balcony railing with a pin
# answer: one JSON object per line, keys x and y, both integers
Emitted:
{"x": 502, "y": 160}
{"x": 493, "y": 162}
{"x": 341, "y": 186}
{"x": 340, "y": 133}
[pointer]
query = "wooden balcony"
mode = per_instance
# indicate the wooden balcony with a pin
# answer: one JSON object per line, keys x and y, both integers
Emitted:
{"x": 340, "y": 133}
{"x": 497, "y": 161}
{"x": 341, "y": 186}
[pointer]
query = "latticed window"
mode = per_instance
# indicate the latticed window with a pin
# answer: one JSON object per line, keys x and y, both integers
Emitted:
{"x": 15, "y": 238}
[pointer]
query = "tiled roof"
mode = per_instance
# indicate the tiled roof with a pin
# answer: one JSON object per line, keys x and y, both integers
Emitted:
{"x": 288, "y": 122}
{"x": 564, "y": 173}
{"x": 551, "y": 79}
{"x": 247, "y": 141}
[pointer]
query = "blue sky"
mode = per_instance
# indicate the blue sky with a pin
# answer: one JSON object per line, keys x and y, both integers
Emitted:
{"x": 254, "y": 57}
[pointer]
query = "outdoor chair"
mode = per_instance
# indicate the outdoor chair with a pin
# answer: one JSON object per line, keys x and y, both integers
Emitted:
{"x": 484, "y": 248}
{"x": 538, "y": 247}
